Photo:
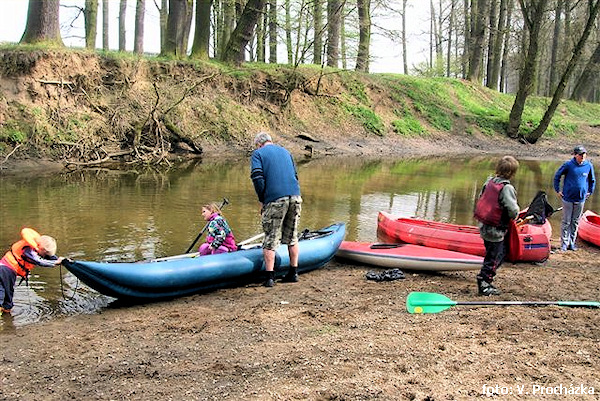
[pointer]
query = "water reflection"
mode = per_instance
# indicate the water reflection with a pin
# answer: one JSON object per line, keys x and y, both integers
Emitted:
{"x": 126, "y": 215}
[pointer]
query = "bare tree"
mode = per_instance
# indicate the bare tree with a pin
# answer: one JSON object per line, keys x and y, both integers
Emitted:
{"x": 533, "y": 15}
{"x": 555, "y": 46}
{"x": 593, "y": 7}
{"x": 589, "y": 78}
{"x": 404, "y": 44}
{"x": 175, "y": 28}
{"x": 122, "y": 26}
{"x": 243, "y": 32}
{"x": 138, "y": 36}
{"x": 364, "y": 32}
{"x": 105, "y": 25}
{"x": 200, "y": 47}
{"x": 493, "y": 53}
{"x": 318, "y": 31}
{"x": 43, "y": 23}
{"x": 90, "y": 16}
{"x": 334, "y": 12}
{"x": 272, "y": 30}
{"x": 477, "y": 41}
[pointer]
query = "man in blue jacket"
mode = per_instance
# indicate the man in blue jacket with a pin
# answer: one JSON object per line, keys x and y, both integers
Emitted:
{"x": 578, "y": 185}
{"x": 275, "y": 178}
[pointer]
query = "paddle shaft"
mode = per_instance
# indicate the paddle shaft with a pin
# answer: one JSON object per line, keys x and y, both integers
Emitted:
{"x": 249, "y": 240}
{"x": 225, "y": 202}
{"x": 532, "y": 303}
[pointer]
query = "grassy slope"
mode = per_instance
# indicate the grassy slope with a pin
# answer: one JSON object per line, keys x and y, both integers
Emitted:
{"x": 109, "y": 99}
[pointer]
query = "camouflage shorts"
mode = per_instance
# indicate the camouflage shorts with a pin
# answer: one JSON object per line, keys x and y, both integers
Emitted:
{"x": 280, "y": 221}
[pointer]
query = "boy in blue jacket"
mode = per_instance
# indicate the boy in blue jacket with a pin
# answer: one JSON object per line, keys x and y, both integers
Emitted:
{"x": 579, "y": 183}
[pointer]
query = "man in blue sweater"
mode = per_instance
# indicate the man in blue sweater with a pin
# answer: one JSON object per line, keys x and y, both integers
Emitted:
{"x": 578, "y": 185}
{"x": 275, "y": 178}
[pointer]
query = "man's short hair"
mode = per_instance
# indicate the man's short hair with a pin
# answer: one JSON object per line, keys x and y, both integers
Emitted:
{"x": 262, "y": 138}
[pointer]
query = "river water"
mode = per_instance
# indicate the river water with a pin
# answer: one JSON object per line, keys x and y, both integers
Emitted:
{"x": 127, "y": 215}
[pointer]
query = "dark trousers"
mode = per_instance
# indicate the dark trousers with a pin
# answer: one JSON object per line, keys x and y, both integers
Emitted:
{"x": 7, "y": 286}
{"x": 494, "y": 256}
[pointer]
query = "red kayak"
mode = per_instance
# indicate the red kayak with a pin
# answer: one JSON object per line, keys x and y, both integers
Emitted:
{"x": 589, "y": 227}
{"x": 528, "y": 242}
{"x": 407, "y": 256}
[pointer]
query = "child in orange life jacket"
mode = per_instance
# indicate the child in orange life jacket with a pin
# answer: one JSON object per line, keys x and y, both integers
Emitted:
{"x": 219, "y": 238}
{"x": 32, "y": 250}
{"x": 497, "y": 205}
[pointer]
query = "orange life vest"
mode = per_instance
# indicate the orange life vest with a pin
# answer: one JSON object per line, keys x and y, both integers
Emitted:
{"x": 14, "y": 257}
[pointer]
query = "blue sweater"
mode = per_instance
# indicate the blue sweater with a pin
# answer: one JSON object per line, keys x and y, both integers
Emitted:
{"x": 273, "y": 173}
{"x": 579, "y": 180}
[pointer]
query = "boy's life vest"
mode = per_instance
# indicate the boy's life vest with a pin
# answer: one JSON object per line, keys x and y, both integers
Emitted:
{"x": 488, "y": 209}
{"x": 14, "y": 257}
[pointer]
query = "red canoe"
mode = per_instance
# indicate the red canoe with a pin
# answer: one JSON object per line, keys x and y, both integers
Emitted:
{"x": 407, "y": 256}
{"x": 589, "y": 227}
{"x": 528, "y": 242}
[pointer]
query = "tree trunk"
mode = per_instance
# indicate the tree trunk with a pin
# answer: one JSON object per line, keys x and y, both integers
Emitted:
{"x": 450, "y": 28}
{"x": 175, "y": 27}
{"x": 577, "y": 51}
{"x": 467, "y": 39}
{"x": 241, "y": 35}
{"x": 533, "y": 15}
{"x": 404, "y": 44}
{"x": 589, "y": 78}
{"x": 186, "y": 28}
{"x": 364, "y": 35}
{"x": 431, "y": 32}
{"x": 272, "y": 30}
{"x": 477, "y": 41}
{"x": 288, "y": 33}
{"x": 228, "y": 25}
{"x": 200, "y": 46}
{"x": 261, "y": 37}
{"x": 43, "y": 23}
{"x": 122, "y": 25}
{"x": 163, "y": 18}
{"x": 505, "y": 47}
{"x": 105, "y": 25}
{"x": 138, "y": 37}
{"x": 343, "y": 46}
{"x": 334, "y": 11}
{"x": 498, "y": 53}
{"x": 492, "y": 54}
{"x": 318, "y": 31}
{"x": 555, "y": 47}
{"x": 90, "y": 16}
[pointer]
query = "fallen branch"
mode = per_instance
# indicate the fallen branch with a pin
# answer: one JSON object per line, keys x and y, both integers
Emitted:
{"x": 100, "y": 161}
{"x": 44, "y": 81}
{"x": 10, "y": 154}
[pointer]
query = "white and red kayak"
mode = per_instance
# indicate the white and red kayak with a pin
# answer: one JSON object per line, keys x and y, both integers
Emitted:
{"x": 407, "y": 256}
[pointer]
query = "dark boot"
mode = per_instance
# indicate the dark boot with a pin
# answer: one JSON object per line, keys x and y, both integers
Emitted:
{"x": 270, "y": 281}
{"x": 291, "y": 276}
{"x": 486, "y": 289}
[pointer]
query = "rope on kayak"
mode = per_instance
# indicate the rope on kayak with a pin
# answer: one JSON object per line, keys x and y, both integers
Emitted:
{"x": 62, "y": 289}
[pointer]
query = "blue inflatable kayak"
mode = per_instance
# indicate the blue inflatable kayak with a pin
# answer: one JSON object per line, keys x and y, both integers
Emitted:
{"x": 189, "y": 274}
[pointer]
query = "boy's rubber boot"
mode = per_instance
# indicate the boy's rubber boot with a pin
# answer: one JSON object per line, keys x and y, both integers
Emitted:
{"x": 291, "y": 276}
{"x": 486, "y": 289}
{"x": 270, "y": 281}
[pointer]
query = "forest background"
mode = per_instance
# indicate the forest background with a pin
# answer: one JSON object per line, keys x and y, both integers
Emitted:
{"x": 544, "y": 48}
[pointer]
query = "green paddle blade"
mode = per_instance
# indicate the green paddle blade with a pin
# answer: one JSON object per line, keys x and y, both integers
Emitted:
{"x": 588, "y": 304}
{"x": 427, "y": 302}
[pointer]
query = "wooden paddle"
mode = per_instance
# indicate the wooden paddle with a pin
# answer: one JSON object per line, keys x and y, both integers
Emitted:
{"x": 430, "y": 302}
{"x": 225, "y": 202}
